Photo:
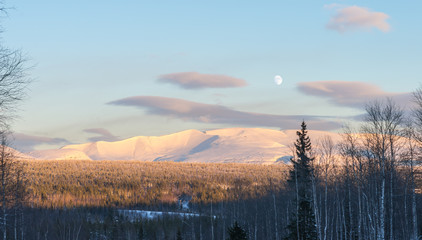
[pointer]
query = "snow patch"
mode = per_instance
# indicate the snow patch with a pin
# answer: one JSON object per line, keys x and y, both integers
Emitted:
{"x": 133, "y": 215}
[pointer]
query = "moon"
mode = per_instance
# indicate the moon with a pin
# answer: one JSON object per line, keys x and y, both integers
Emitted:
{"x": 278, "y": 79}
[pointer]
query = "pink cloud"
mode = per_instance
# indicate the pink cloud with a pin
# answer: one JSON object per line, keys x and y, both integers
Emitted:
{"x": 357, "y": 18}
{"x": 352, "y": 94}
{"x": 212, "y": 113}
{"x": 27, "y": 143}
{"x": 103, "y": 135}
{"x": 194, "y": 80}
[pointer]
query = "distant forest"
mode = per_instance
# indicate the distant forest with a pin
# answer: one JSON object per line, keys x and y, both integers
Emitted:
{"x": 85, "y": 183}
{"x": 367, "y": 186}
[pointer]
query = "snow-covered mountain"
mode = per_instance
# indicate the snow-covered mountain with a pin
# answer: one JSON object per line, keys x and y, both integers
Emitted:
{"x": 240, "y": 145}
{"x": 15, "y": 153}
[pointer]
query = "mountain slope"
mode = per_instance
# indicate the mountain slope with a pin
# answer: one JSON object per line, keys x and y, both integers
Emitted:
{"x": 242, "y": 145}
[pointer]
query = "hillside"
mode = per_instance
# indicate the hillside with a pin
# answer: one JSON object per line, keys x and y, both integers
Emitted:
{"x": 237, "y": 145}
{"x": 76, "y": 183}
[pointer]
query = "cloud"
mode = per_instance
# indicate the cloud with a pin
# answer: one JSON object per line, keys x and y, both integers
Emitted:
{"x": 351, "y": 94}
{"x": 104, "y": 135}
{"x": 27, "y": 143}
{"x": 194, "y": 80}
{"x": 210, "y": 113}
{"x": 354, "y": 18}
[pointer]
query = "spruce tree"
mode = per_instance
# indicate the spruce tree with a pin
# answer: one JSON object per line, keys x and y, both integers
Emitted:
{"x": 236, "y": 232}
{"x": 302, "y": 222}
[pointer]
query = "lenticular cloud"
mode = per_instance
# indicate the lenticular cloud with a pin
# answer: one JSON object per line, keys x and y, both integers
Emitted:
{"x": 352, "y": 94}
{"x": 194, "y": 80}
{"x": 211, "y": 113}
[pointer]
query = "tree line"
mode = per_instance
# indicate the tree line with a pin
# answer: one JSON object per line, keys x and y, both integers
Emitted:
{"x": 372, "y": 194}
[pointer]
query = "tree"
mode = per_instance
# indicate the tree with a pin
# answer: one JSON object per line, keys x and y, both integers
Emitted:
{"x": 13, "y": 191}
{"x": 5, "y": 178}
{"x": 354, "y": 165}
{"x": 302, "y": 224}
{"x": 414, "y": 136}
{"x": 13, "y": 82}
{"x": 327, "y": 150}
{"x": 382, "y": 130}
{"x": 236, "y": 232}
{"x": 410, "y": 161}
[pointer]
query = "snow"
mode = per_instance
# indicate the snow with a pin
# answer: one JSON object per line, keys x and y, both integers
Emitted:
{"x": 185, "y": 205}
{"x": 16, "y": 154}
{"x": 59, "y": 154}
{"x": 241, "y": 145}
{"x": 136, "y": 214}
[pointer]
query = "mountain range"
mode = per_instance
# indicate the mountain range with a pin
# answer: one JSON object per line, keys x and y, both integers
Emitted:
{"x": 237, "y": 145}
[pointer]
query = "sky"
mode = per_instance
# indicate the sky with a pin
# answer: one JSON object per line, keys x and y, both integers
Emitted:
{"x": 108, "y": 70}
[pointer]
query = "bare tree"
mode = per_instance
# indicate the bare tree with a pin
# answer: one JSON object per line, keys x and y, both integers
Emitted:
{"x": 413, "y": 134}
{"x": 13, "y": 82}
{"x": 326, "y": 152}
{"x": 417, "y": 113}
{"x": 382, "y": 131}
{"x": 350, "y": 149}
{"x": 7, "y": 163}
{"x": 409, "y": 158}
{"x": 20, "y": 196}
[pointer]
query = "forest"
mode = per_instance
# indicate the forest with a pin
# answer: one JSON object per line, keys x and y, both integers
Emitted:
{"x": 367, "y": 186}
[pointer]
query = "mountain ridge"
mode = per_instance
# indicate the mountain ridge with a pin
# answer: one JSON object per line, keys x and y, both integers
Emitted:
{"x": 238, "y": 145}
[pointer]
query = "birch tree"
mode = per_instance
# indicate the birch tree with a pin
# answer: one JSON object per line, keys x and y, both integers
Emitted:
{"x": 326, "y": 152}
{"x": 382, "y": 130}
{"x": 414, "y": 137}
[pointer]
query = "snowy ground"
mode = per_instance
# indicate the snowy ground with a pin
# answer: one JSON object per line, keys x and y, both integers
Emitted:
{"x": 137, "y": 214}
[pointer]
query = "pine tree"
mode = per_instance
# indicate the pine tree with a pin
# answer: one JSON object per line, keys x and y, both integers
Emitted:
{"x": 302, "y": 224}
{"x": 236, "y": 232}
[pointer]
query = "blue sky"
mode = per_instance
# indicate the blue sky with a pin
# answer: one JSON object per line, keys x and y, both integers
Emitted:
{"x": 97, "y": 65}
